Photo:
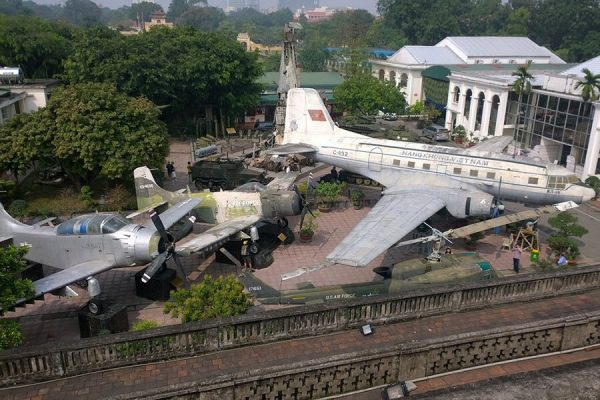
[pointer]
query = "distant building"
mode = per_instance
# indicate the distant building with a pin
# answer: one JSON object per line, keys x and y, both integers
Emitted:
{"x": 236, "y": 5}
{"x": 158, "y": 18}
{"x": 315, "y": 15}
{"x": 249, "y": 45}
{"x": 25, "y": 97}
{"x": 294, "y": 5}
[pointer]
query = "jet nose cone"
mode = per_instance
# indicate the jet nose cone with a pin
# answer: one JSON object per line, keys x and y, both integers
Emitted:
{"x": 588, "y": 194}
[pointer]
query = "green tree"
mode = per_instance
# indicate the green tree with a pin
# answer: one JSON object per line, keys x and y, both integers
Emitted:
{"x": 82, "y": 12}
{"x": 205, "y": 19}
{"x": 517, "y": 23}
{"x": 312, "y": 56}
{"x": 178, "y": 7}
{"x": 180, "y": 69}
{"x": 143, "y": 10}
{"x": 567, "y": 226}
{"x": 212, "y": 298}
{"x": 272, "y": 62}
{"x": 521, "y": 85}
{"x": 39, "y": 47}
{"x": 365, "y": 94}
{"x": 90, "y": 130}
{"x": 590, "y": 85}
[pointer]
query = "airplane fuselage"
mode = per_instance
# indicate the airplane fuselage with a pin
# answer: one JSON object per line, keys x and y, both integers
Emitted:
{"x": 391, "y": 163}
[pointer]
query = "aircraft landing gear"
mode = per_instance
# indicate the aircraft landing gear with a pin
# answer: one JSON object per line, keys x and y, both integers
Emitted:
{"x": 95, "y": 306}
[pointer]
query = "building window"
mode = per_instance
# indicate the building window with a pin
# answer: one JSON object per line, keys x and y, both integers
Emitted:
{"x": 512, "y": 62}
{"x": 491, "y": 175}
{"x": 474, "y": 172}
{"x": 396, "y": 162}
{"x": 533, "y": 181}
{"x": 478, "y": 61}
{"x": 411, "y": 164}
{"x": 496, "y": 61}
{"x": 457, "y": 171}
{"x": 426, "y": 166}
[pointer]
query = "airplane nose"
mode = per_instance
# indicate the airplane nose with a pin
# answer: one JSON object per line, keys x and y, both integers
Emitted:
{"x": 588, "y": 194}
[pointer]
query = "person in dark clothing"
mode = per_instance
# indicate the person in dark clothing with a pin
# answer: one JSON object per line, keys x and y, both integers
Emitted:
{"x": 334, "y": 174}
{"x": 170, "y": 170}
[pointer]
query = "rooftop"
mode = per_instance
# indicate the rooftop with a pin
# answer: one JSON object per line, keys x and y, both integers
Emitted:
{"x": 497, "y": 46}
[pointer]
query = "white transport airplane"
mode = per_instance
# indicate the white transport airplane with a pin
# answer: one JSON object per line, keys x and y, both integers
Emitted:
{"x": 420, "y": 179}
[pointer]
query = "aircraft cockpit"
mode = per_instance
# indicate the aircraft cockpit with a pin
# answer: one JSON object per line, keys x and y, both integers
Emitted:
{"x": 94, "y": 224}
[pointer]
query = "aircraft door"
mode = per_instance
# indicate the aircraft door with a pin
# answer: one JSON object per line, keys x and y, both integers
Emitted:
{"x": 375, "y": 159}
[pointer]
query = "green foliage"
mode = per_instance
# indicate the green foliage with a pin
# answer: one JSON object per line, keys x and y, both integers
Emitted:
{"x": 18, "y": 209}
{"x": 545, "y": 265}
{"x": 179, "y": 7}
{"x": 567, "y": 225}
{"x": 39, "y": 47}
{"x": 417, "y": 108}
{"x": 86, "y": 198}
{"x": 563, "y": 244}
{"x": 119, "y": 199}
{"x": 594, "y": 182}
{"x": 205, "y": 19}
{"x": 143, "y": 10}
{"x": 365, "y": 94}
{"x": 82, "y": 12}
{"x": 312, "y": 56}
{"x": 90, "y": 130}
{"x": 180, "y": 69}
{"x": 329, "y": 191}
{"x": 221, "y": 297}
{"x": 12, "y": 287}
{"x": 271, "y": 62}
{"x": 459, "y": 132}
{"x": 10, "y": 334}
{"x": 144, "y": 325}
{"x": 357, "y": 196}
{"x": 8, "y": 189}
{"x": 590, "y": 85}
{"x": 474, "y": 238}
{"x": 310, "y": 224}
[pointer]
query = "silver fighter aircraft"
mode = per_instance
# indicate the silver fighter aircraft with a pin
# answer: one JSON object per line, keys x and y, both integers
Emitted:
{"x": 420, "y": 179}
{"x": 90, "y": 244}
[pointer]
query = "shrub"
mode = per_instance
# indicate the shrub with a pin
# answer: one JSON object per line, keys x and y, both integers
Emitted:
{"x": 328, "y": 192}
{"x": 18, "y": 209}
{"x": 144, "y": 325}
{"x": 221, "y": 297}
{"x": 357, "y": 196}
{"x": 594, "y": 182}
{"x": 119, "y": 199}
{"x": 10, "y": 334}
{"x": 86, "y": 197}
{"x": 563, "y": 244}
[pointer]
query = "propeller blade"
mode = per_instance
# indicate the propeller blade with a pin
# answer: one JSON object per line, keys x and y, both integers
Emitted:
{"x": 159, "y": 225}
{"x": 184, "y": 230}
{"x": 154, "y": 266}
{"x": 180, "y": 271}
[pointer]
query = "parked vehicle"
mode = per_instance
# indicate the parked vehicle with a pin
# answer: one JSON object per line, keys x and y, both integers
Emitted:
{"x": 437, "y": 132}
{"x": 265, "y": 126}
{"x": 390, "y": 117}
{"x": 224, "y": 174}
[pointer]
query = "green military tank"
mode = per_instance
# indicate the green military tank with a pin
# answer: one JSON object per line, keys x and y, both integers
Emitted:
{"x": 370, "y": 126}
{"x": 224, "y": 174}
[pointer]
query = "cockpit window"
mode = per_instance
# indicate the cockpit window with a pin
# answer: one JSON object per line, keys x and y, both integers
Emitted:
{"x": 92, "y": 224}
{"x": 561, "y": 181}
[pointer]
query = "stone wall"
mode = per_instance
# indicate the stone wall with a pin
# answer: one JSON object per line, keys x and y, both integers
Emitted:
{"x": 39, "y": 363}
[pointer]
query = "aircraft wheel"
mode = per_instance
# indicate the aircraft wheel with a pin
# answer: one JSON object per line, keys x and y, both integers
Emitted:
{"x": 95, "y": 306}
{"x": 366, "y": 182}
{"x": 253, "y": 249}
{"x": 359, "y": 181}
{"x": 198, "y": 184}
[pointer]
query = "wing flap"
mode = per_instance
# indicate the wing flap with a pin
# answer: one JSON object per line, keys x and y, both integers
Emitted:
{"x": 283, "y": 181}
{"x": 70, "y": 275}
{"x": 292, "y": 148}
{"x": 393, "y": 217}
{"x": 217, "y": 235}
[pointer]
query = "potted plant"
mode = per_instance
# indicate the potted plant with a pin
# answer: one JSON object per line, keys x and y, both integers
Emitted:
{"x": 309, "y": 227}
{"x": 459, "y": 133}
{"x": 357, "y": 196}
{"x": 327, "y": 193}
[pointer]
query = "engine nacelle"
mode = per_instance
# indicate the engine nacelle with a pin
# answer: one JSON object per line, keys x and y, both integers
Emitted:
{"x": 469, "y": 204}
{"x": 280, "y": 204}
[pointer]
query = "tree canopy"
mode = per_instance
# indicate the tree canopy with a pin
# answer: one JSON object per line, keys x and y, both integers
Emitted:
{"x": 211, "y": 298}
{"x": 590, "y": 85}
{"x": 90, "y": 130}
{"x": 180, "y": 69}
{"x": 365, "y": 94}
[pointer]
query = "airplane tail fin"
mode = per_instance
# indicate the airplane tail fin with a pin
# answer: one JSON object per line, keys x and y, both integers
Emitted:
{"x": 306, "y": 115}
{"x": 147, "y": 191}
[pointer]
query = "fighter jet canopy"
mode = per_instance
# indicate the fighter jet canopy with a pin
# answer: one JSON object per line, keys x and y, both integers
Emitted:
{"x": 93, "y": 224}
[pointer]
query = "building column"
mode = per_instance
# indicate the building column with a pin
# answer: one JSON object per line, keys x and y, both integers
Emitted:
{"x": 501, "y": 116}
{"x": 473, "y": 112}
{"x": 460, "y": 115}
{"x": 485, "y": 117}
{"x": 593, "y": 150}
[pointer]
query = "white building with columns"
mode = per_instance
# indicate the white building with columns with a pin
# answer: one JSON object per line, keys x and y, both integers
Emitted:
{"x": 405, "y": 66}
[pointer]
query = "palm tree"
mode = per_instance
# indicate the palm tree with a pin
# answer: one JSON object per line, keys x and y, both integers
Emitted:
{"x": 590, "y": 85}
{"x": 521, "y": 85}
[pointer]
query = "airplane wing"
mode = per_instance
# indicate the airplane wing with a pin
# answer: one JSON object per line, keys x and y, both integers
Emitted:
{"x": 393, "y": 217}
{"x": 291, "y": 148}
{"x": 496, "y": 144}
{"x": 175, "y": 213}
{"x": 283, "y": 181}
{"x": 70, "y": 275}
{"x": 217, "y": 235}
